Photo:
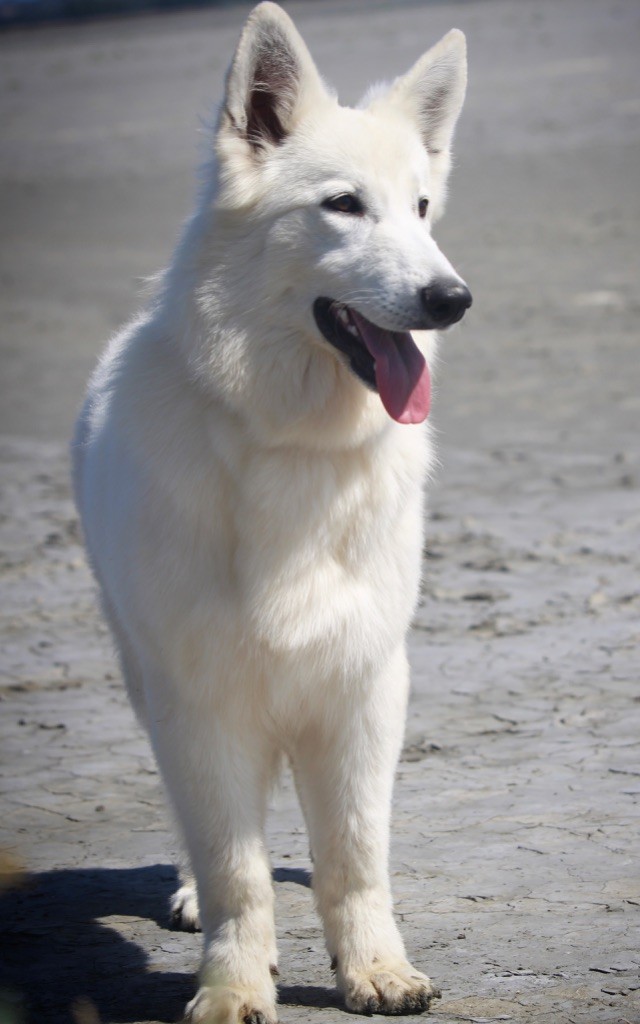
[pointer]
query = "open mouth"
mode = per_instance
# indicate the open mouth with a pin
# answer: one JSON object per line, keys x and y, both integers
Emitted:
{"x": 388, "y": 362}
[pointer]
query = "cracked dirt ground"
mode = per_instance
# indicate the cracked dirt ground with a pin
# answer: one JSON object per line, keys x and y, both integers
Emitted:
{"x": 515, "y": 855}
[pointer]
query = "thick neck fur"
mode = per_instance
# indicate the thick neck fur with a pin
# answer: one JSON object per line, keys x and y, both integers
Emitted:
{"x": 229, "y": 314}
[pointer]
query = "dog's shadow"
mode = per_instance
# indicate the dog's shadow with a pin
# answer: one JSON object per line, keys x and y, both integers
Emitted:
{"x": 56, "y": 950}
{"x": 56, "y": 953}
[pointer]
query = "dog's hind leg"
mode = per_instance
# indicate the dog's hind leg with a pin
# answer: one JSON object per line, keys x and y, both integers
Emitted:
{"x": 185, "y": 913}
{"x": 344, "y": 768}
{"x": 218, "y": 771}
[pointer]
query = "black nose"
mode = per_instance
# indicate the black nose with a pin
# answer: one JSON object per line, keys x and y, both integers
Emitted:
{"x": 446, "y": 302}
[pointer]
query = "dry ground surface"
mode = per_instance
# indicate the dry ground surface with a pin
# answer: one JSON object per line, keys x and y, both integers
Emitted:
{"x": 515, "y": 855}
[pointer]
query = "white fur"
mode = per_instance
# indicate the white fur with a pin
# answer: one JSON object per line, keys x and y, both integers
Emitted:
{"x": 254, "y": 517}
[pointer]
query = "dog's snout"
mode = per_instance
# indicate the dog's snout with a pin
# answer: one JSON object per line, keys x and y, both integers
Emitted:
{"x": 446, "y": 302}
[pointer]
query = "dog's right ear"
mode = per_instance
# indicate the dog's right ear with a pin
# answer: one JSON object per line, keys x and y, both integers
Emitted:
{"x": 271, "y": 77}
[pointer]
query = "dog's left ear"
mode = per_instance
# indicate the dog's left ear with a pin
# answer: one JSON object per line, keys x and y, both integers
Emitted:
{"x": 271, "y": 77}
{"x": 432, "y": 92}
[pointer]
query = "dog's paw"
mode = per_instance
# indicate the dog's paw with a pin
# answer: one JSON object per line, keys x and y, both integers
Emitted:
{"x": 391, "y": 988}
{"x": 222, "y": 1004}
{"x": 184, "y": 909}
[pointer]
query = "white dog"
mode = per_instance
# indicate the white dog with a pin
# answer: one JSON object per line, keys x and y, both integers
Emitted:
{"x": 249, "y": 467}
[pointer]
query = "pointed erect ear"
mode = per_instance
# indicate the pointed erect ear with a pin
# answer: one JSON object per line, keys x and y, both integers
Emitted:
{"x": 271, "y": 76}
{"x": 432, "y": 92}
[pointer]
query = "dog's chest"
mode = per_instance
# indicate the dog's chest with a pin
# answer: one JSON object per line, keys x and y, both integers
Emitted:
{"x": 329, "y": 548}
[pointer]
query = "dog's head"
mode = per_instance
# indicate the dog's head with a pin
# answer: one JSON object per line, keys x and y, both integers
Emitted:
{"x": 322, "y": 221}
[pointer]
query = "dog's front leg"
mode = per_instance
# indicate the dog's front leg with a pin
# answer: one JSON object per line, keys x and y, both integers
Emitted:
{"x": 344, "y": 768}
{"x": 218, "y": 776}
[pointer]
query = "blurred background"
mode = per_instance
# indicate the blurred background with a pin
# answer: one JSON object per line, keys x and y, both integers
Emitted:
{"x": 33, "y": 11}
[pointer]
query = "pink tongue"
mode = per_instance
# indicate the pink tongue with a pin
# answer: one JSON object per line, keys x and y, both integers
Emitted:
{"x": 402, "y": 374}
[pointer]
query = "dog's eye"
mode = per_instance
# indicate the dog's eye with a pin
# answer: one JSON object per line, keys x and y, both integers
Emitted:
{"x": 423, "y": 206}
{"x": 346, "y": 203}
